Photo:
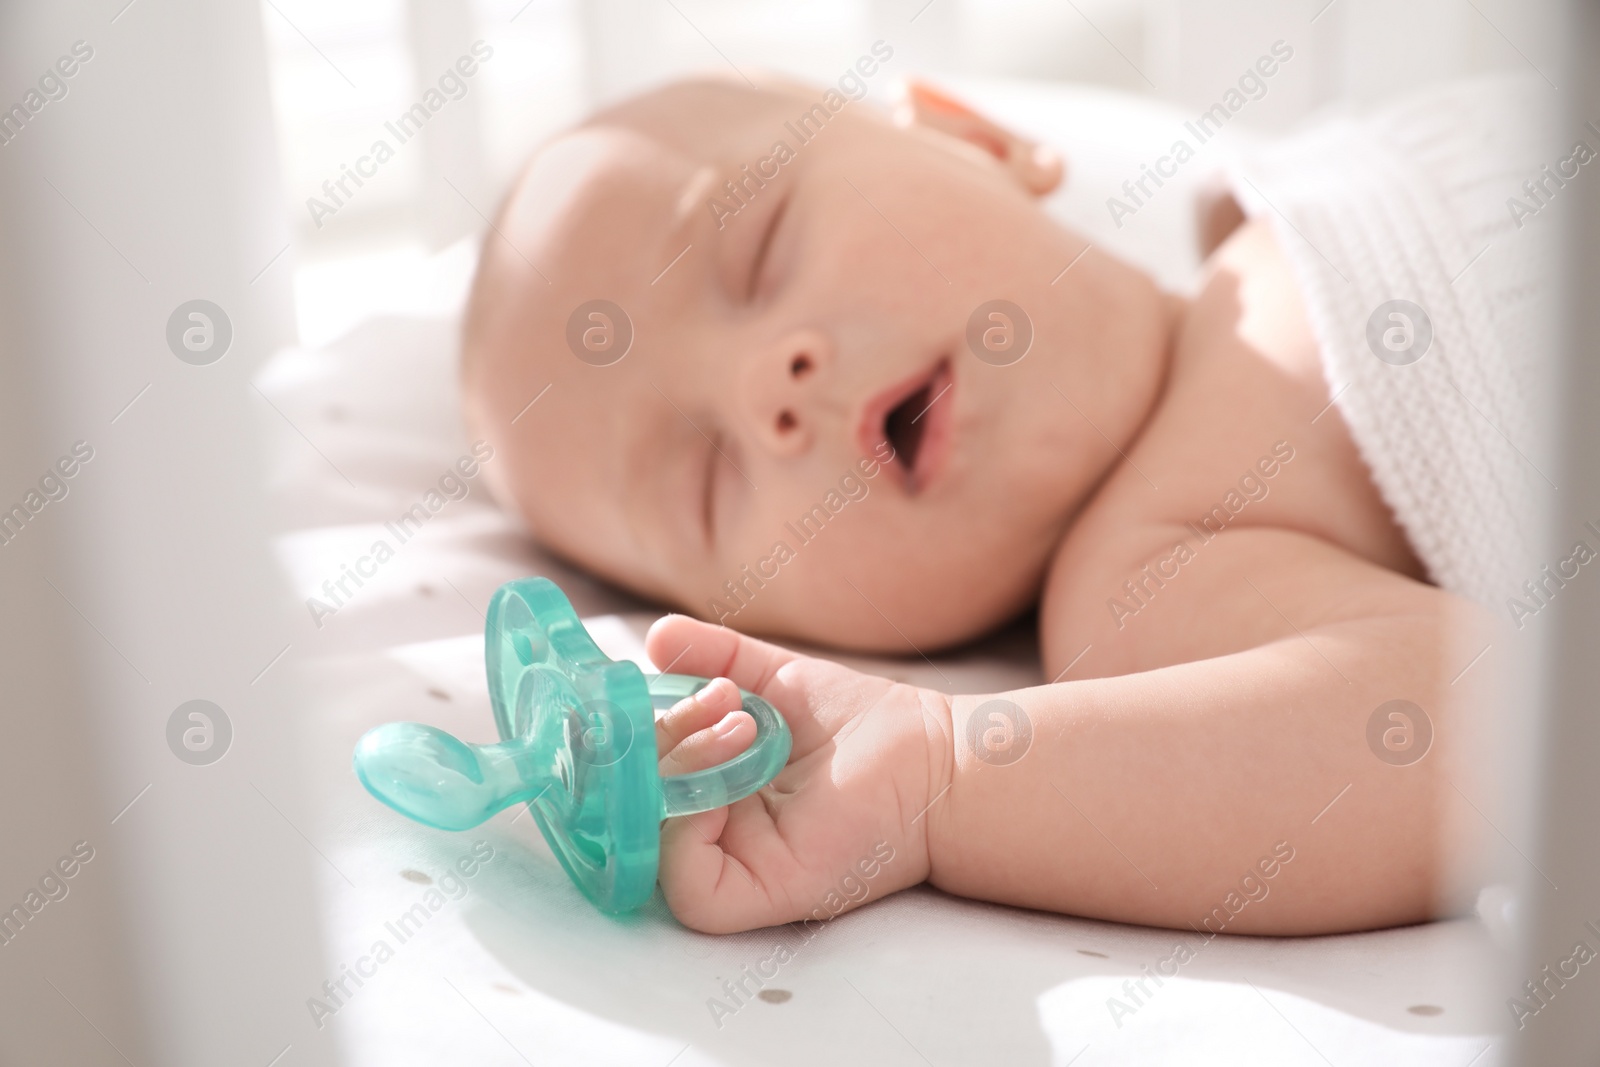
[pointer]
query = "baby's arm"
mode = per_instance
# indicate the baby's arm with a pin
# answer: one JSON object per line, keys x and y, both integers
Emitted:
{"x": 1273, "y": 652}
{"x": 1150, "y": 797}
{"x": 1154, "y": 797}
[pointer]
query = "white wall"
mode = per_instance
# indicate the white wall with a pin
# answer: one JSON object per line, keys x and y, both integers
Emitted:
{"x": 340, "y": 70}
{"x": 191, "y": 935}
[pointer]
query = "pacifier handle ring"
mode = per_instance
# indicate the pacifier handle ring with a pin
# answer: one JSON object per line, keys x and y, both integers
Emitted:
{"x": 739, "y": 777}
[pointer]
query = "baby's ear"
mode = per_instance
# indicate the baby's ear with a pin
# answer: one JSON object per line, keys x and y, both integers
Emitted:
{"x": 1036, "y": 168}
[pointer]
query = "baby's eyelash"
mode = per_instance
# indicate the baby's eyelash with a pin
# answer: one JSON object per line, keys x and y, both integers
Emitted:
{"x": 708, "y": 502}
{"x": 765, "y": 246}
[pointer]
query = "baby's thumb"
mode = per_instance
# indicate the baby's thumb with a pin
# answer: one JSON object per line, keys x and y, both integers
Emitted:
{"x": 688, "y": 646}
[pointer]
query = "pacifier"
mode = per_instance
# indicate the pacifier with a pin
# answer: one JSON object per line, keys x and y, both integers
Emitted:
{"x": 578, "y": 747}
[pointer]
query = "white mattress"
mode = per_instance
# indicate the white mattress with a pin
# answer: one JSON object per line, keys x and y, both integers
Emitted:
{"x": 521, "y": 968}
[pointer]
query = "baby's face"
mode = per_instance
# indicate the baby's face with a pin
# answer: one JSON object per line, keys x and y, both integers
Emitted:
{"x": 800, "y": 438}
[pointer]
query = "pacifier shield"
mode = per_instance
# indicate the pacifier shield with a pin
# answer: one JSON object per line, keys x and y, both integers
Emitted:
{"x": 590, "y": 727}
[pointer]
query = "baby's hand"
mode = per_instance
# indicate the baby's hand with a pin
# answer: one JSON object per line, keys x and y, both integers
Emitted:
{"x": 844, "y": 822}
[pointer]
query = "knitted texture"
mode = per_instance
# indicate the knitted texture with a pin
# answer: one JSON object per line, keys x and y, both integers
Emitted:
{"x": 1411, "y": 204}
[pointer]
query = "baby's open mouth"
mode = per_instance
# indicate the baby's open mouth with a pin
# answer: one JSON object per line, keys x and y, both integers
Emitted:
{"x": 913, "y": 417}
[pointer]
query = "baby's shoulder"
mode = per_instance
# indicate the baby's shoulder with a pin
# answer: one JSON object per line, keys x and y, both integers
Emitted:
{"x": 1244, "y": 445}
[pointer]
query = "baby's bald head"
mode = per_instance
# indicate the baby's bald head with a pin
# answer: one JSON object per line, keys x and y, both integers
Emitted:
{"x": 698, "y": 327}
{"x": 586, "y": 219}
{"x": 714, "y": 124}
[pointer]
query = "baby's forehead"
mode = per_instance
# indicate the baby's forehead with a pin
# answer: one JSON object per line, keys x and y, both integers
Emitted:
{"x": 582, "y": 176}
{"x": 655, "y": 150}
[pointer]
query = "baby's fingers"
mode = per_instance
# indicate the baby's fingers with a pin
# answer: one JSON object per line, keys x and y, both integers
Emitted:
{"x": 709, "y": 865}
{"x": 710, "y": 746}
{"x": 704, "y": 729}
{"x": 696, "y": 712}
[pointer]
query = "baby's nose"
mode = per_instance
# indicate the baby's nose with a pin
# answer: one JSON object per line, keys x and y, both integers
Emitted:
{"x": 779, "y": 389}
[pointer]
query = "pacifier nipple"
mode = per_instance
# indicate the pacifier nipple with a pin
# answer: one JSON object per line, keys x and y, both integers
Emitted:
{"x": 441, "y": 781}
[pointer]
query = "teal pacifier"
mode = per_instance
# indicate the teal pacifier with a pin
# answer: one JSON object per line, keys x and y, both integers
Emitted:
{"x": 578, "y": 746}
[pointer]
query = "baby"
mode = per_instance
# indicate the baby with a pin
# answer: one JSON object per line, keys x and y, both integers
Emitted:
{"x": 863, "y": 392}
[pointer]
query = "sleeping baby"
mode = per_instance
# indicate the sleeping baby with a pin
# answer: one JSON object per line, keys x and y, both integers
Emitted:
{"x": 854, "y": 388}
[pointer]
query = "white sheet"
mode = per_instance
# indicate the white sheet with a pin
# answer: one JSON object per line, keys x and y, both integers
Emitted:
{"x": 521, "y": 967}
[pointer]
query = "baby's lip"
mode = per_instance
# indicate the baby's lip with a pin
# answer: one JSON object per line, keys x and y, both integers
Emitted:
{"x": 929, "y": 426}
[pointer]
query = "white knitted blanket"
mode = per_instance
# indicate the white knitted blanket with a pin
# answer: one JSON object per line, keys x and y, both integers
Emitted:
{"x": 1413, "y": 205}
